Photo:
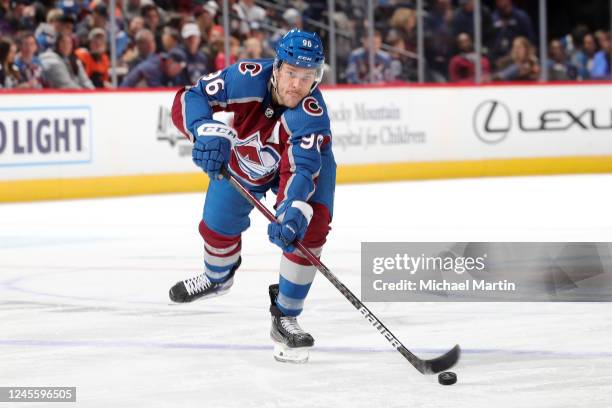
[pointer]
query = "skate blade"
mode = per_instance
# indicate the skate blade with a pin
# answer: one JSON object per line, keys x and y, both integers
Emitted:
{"x": 212, "y": 295}
{"x": 220, "y": 292}
{"x": 285, "y": 354}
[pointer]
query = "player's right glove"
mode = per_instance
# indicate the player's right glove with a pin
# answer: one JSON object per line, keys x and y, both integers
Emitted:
{"x": 293, "y": 219}
{"x": 211, "y": 154}
{"x": 212, "y": 147}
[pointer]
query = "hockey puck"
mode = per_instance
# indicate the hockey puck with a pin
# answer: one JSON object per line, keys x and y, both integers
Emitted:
{"x": 447, "y": 378}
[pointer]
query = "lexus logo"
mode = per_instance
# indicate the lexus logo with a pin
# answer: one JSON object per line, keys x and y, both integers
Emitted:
{"x": 492, "y": 121}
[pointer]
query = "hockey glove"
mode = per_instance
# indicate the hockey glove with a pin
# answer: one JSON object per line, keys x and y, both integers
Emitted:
{"x": 293, "y": 220}
{"x": 210, "y": 154}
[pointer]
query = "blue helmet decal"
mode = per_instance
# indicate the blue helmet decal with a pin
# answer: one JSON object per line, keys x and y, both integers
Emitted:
{"x": 301, "y": 49}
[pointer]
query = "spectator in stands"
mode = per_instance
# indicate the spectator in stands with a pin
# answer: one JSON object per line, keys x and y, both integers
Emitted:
{"x": 95, "y": 60}
{"x": 66, "y": 25}
{"x": 9, "y": 74}
{"x": 121, "y": 23}
{"x": 73, "y": 8}
{"x": 601, "y": 61}
{"x": 9, "y": 18}
{"x": 440, "y": 15}
{"x": 313, "y": 10}
{"x": 344, "y": 44}
{"x": 248, "y": 12}
{"x": 292, "y": 18}
{"x": 164, "y": 70}
{"x": 46, "y": 33}
{"x": 214, "y": 46}
{"x": 28, "y": 63}
{"x": 145, "y": 48}
{"x": 462, "y": 67}
{"x": 259, "y": 34}
{"x": 136, "y": 24}
{"x": 234, "y": 53}
{"x": 572, "y": 42}
{"x": 583, "y": 58}
{"x": 438, "y": 40}
{"x": 17, "y": 16}
{"x": 5, "y": 15}
{"x": 5, "y": 18}
{"x": 253, "y": 48}
{"x": 205, "y": 18}
{"x": 132, "y": 9}
{"x": 558, "y": 65}
{"x": 358, "y": 71}
{"x": 509, "y": 22}
{"x": 463, "y": 22}
{"x": 404, "y": 65}
{"x": 600, "y": 36}
{"x": 520, "y": 65}
{"x": 170, "y": 38}
{"x": 196, "y": 62}
{"x": 61, "y": 66}
{"x": 403, "y": 25}
{"x": 99, "y": 19}
{"x": 152, "y": 19}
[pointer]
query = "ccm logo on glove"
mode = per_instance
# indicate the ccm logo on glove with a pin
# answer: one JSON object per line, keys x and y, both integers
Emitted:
{"x": 216, "y": 130}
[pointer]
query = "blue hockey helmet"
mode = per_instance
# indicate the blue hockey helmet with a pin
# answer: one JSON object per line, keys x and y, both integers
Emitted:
{"x": 301, "y": 49}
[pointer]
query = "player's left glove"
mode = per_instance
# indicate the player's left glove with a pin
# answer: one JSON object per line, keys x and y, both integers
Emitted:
{"x": 293, "y": 219}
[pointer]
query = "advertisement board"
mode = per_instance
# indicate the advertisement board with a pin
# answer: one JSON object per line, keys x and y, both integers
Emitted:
{"x": 83, "y": 144}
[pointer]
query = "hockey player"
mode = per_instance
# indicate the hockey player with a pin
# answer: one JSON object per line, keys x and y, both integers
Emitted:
{"x": 280, "y": 141}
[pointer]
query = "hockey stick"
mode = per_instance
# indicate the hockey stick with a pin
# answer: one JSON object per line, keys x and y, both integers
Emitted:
{"x": 432, "y": 366}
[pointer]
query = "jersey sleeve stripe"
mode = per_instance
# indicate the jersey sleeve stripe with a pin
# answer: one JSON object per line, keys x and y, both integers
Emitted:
{"x": 179, "y": 117}
{"x": 284, "y": 121}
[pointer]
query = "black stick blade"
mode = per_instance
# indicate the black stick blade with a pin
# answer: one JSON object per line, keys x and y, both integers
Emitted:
{"x": 442, "y": 363}
{"x": 435, "y": 365}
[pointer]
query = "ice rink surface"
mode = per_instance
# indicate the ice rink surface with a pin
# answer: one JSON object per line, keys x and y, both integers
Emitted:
{"x": 83, "y": 302}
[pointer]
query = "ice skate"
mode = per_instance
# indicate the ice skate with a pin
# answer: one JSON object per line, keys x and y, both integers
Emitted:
{"x": 200, "y": 287}
{"x": 291, "y": 343}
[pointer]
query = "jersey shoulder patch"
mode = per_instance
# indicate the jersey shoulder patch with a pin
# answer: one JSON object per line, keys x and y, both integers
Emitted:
{"x": 250, "y": 68}
{"x": 248, "y": 79}
{"x": 309, "y": 116}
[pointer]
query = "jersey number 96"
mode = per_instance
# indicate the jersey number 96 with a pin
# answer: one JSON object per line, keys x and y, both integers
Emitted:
{"x": 309, "y": 141}
{"x": 215, "y": 86}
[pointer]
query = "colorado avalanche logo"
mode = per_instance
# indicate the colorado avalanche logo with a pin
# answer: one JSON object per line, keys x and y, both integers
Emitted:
{"x": 253, "y": 68}
{"x": 254, "y": 159}
{"x": 311, "y": 106}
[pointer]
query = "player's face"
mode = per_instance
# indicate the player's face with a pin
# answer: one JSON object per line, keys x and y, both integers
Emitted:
{"x": 293, "y": 84}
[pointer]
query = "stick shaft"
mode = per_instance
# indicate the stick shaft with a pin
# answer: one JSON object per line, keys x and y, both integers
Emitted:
{"x": 367, "y": 314}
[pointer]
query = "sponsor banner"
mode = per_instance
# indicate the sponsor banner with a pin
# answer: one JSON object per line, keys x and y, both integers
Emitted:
{"x": 375, "y": 125}
{"x": 378, "y": 126}
{"x": 87, "y": 134}
{"x": 544, "y": 121}
{"x": 486, "y": 271}
{"x": 45, "y": 135}
{"x": 105, "y": 134}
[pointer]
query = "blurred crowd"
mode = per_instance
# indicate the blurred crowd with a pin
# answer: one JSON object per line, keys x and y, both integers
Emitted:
{"x": 162, "y": 43}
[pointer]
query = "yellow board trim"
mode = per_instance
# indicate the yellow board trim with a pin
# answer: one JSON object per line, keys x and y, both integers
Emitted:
{"x": 474, "y": 168}
{"x": 52, "y": 189}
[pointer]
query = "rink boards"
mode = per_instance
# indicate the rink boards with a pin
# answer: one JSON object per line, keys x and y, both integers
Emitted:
{"x": 89, "y": 144}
